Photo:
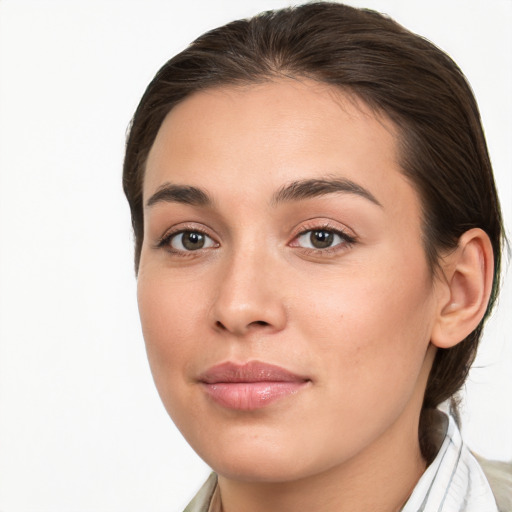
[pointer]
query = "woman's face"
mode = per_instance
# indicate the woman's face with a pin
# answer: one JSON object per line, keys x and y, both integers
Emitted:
{"x": 284, "y": 293}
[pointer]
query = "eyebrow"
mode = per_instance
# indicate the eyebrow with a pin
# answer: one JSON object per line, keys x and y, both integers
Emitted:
{"x": 295, "y": 191}
{"x": 309, "y": 188}
{"x": 184, "y": 194}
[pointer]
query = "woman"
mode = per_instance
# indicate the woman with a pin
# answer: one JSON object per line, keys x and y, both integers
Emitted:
{"x": 318, "y": 242}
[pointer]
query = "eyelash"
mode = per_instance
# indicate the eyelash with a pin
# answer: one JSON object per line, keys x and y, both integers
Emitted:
{"x": 165, "y": 241}
{"x": 346, "y": 242}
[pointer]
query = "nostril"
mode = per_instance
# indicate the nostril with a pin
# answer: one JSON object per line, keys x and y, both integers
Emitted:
{"x": 259, "y": 322}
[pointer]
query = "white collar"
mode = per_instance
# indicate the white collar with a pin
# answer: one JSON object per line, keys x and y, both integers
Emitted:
{"x": 454, "y": 482}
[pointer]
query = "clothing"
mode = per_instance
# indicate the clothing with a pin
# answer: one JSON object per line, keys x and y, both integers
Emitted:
{"x": 202, "y": 501}
{"x": 499, "y": 475}
{"x": 454, "y": 482}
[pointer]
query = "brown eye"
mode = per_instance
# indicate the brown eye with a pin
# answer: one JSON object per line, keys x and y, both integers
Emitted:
{"x": 322, "y": 239}
{"x": 190, "y": 241}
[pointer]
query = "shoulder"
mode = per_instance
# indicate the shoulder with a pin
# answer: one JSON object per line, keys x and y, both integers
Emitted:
{"x": 499, "y": 475}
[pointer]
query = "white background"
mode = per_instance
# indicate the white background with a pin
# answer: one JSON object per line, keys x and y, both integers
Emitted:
{"x": 81, "y": 426}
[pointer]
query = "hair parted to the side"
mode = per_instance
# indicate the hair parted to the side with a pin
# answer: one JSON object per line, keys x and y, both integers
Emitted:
{"x": 400, "y": 74}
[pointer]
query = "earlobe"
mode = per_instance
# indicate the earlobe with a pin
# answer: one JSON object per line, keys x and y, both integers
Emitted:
{"x": 467, "y": 283}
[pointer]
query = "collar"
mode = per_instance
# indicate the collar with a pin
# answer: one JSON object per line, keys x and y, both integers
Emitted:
{"x": 454, "y": 482}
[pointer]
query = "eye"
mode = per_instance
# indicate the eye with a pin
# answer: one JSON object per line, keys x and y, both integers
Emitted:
{"x": 322, "y": 239}
{"x": 186, "y": 241}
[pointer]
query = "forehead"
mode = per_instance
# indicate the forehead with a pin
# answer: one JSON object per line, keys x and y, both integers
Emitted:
{"x": 245, "y": 138}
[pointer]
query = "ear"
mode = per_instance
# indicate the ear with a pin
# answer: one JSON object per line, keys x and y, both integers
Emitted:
{"x": 464, "y": 287}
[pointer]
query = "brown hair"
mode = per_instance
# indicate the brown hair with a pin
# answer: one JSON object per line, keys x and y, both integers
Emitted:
{"x": 442, "y": 145}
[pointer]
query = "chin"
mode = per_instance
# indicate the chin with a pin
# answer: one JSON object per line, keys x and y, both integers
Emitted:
{"x": 265, "y": 459}
{"x": 262, "y": 469}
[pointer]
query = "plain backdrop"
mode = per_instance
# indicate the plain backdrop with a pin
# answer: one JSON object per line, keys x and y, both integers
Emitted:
{"x": 81, "y": 425}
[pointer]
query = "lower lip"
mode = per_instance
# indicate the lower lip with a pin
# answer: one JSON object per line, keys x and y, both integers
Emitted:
{"x": 248, "y": 396}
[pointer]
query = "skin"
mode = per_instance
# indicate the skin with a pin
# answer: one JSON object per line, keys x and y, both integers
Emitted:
{"x": 356, "y": 318}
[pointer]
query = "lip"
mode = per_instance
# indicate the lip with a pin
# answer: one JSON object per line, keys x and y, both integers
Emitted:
{"x": 250, "y": 386}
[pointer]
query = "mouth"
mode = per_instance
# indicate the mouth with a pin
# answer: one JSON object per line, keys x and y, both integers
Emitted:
{"x": 250, "y": 386}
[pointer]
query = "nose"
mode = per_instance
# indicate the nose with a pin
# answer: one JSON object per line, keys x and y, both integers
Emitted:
{"x": 249, "y": 296}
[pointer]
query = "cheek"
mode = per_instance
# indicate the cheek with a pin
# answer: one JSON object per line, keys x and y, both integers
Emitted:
{"x": 169, "y": 317}
{"x": 371, "y": 330}
{"x": 170, "y": 313}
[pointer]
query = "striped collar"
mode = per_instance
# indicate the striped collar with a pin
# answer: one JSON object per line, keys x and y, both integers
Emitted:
{"x": 454, "y": 482}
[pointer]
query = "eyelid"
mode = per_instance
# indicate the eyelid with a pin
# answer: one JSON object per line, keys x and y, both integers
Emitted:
{"x": 324, "y": 225}
{"x": 165, "y": 239}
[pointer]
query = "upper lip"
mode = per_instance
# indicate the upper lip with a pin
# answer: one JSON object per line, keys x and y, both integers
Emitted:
{"x": 253, "y": 371}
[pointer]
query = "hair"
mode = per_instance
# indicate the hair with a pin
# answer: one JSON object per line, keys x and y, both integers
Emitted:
{"x": 442, "y": 149}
